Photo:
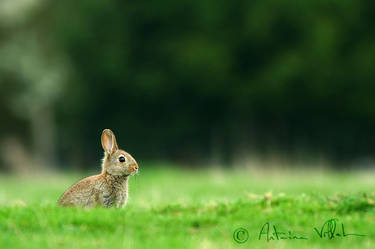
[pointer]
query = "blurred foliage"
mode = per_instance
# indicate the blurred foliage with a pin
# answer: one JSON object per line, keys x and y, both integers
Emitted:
{"x": 192, "y": 80}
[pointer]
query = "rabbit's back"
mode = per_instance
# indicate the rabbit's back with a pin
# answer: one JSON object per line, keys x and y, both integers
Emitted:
{"x": 83, "y": 193}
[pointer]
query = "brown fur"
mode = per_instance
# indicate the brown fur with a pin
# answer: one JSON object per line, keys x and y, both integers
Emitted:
{"x": 108, "y": 188}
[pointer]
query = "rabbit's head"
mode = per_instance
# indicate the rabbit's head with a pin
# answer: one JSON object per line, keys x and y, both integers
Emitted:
{"x": 116, "y": 162}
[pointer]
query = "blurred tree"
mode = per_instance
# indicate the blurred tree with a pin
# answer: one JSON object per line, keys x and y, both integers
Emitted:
{"x": 204, "y": 80}
{"x": 33, "y": 79}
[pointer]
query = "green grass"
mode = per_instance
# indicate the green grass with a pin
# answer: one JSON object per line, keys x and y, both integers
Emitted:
{"x": 170, "y": 208}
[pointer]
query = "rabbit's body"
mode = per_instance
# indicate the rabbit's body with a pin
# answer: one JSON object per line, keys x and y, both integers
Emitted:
{"x": 108, "y": 188}
{"x": 104, "y": 190}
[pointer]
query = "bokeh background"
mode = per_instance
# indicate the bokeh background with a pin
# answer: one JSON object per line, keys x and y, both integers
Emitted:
{"x": 196, "y": 83}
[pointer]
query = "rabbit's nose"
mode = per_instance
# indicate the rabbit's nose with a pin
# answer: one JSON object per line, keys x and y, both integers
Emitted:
{"x": 134, "y": 166}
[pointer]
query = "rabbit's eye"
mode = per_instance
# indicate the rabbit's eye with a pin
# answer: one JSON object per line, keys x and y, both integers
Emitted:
{"x": 121, "y": 159}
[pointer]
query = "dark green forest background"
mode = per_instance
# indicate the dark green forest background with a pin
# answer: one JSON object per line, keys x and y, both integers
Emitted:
{"x": 197, "y": 82}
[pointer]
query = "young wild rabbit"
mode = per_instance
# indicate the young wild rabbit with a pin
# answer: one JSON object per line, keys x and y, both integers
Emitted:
{"x": 111, "y": 186}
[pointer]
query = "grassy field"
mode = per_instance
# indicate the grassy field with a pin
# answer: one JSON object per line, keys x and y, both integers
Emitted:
{"x": 170, "y": 208}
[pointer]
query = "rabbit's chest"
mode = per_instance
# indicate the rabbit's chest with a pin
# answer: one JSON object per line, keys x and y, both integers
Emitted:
{"x": 114, "y": 194}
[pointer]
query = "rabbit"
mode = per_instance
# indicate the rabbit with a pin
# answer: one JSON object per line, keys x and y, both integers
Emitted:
{"x": 111, "y": 186}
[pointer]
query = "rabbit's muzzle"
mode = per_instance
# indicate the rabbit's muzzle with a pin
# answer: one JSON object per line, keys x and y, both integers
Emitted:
{"x": 133, "y": 168}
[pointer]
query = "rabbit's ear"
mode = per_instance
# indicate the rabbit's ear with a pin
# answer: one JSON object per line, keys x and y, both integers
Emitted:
{"x": 109, "y": 143}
